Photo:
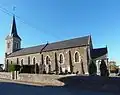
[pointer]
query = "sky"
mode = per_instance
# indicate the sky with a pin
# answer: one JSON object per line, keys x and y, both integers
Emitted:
{"x": 55, "y": 20}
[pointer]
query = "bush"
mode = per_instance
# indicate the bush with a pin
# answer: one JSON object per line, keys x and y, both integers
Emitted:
{"x": 92, "y": 68}
{"x": 13, "y": 67}
{"x": 103, "y": 69}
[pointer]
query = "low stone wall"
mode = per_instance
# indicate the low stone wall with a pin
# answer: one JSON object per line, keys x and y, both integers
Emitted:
{"x": 41, "y": 78}
{"x": 5, "y": 75}
{"x": 44, "y": 79}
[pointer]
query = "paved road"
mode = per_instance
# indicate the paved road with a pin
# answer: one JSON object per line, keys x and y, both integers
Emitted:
{"x": 9, "y": 88}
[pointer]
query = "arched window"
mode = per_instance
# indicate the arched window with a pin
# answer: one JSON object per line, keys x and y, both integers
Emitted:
{"x": 28, "y": 60}
{"x": 22, "y": 62}
{"x": 61, "y": 58}
{"x": 48, "y": 65}
{"x": 77, "y": 57}
{"x": 47, "y": 60}
{"x": 34, "y": 61}
{"x": 17, "y": 61}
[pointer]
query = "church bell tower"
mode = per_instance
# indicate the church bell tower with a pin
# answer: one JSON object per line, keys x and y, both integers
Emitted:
{"x": 13, "y": 41}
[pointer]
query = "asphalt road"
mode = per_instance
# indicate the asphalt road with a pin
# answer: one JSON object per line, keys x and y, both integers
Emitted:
{"x": 10, "y": 88}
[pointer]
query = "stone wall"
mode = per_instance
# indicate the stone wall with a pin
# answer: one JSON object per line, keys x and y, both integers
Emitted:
{"x": 5, "y": 75}
{"x": 34, "y": 78}
{"x": 41, "y": 78}
{"x": 51, "y": 54}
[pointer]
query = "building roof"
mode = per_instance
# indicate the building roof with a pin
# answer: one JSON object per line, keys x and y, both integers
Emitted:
{"x": 81, "y": 41}
{"x": 98, "y": 52}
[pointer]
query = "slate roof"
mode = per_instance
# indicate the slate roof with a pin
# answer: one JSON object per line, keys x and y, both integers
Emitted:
{"x": 98, "y": 52}
{"x": 81, "y": 41}
{"x": 13, "y": 32}
{"x": 14, "y": 29}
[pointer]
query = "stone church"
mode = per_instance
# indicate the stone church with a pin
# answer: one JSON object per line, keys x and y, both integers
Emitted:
{"x": 71, "y": 55}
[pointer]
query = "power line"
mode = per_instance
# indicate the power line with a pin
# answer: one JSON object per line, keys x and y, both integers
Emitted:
{"x": 5, "y": 11}
{"x": 11, "y": 14}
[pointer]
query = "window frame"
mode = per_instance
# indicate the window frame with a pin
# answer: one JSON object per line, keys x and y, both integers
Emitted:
{"x": 22, "y": 61}
{"x": 34, "y": 60}
{"x": 63, "y": 58}
{"x": 79, "y": 57}
{"x": 49, "y": 61}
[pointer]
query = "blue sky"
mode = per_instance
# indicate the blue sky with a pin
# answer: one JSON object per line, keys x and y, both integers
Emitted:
{"x": 54, "y": 20}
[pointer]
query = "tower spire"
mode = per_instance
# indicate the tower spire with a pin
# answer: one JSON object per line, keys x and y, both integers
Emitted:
{"x": 13, "y": 41}
{"x": 13, "y": 32}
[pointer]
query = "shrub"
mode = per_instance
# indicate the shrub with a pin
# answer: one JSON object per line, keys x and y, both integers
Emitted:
{"x": 103, "y": 69}
{"x": 13, "y": 67}
{"x": 92, "y": 68}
